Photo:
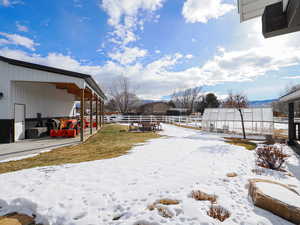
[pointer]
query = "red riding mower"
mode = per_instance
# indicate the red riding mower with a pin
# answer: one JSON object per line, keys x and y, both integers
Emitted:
{"x": 68, "y": 128}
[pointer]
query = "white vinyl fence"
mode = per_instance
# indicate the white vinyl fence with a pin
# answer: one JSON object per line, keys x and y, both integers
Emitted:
{"x": 182, "y": 120}
{"x": 257, "y": 125}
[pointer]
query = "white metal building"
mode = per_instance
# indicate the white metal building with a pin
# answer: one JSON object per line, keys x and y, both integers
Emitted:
{"x": 256, "y": 120}
{"x": 27, "y": 89}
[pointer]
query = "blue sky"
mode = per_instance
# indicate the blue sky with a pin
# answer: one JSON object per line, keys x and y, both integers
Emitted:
{"x": 162, "y": 46}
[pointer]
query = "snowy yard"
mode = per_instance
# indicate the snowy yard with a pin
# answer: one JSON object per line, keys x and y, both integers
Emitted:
{"x": 169, "y": 167}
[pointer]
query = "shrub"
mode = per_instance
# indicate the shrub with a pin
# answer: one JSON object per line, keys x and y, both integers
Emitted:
{"x": 202, "y": 196}
{"x": 218, "y": 212}
{"x": 164, "y": 212}
{"x": 271, "y": 157}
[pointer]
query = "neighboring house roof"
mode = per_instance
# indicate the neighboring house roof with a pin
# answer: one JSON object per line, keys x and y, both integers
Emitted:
{"x": 179, "y": 109}
{"x": 88, "y": 78}
{"x": 153, "y": 103}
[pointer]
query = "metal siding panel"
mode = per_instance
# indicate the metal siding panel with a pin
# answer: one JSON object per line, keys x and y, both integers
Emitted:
{"x": 5, "y": 88}
{"x": 26, "y": 74}
{"x": 44, "y": 98}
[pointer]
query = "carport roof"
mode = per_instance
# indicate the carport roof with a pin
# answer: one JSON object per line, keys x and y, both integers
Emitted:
{"x": 291, "y": 96}
{"x": 249, "y": 9}
{"x": 88, "y": 78}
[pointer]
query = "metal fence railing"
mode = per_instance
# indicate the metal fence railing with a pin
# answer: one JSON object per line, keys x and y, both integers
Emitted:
{"x": 285, "y": 119}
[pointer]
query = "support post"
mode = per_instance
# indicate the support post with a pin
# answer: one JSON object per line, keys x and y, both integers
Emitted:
{"x": 97, "y": 113}
{"x": 298, "y": 129}
{"x": 102, "y": 112}
{"x": 292, "y": 130}
{"x": 91, "y": 114}
{"x": 82, "y": 115}
{"x": 100, "y": 122}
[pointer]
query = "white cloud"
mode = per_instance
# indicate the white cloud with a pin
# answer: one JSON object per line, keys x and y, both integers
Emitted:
{"x": 15, "y": 39}
{"x": 7, "y": 3}
{"x": 157, "y": 51}
{"x": 128, "y": 55}
{"x": 116, "y": 9}
{"x": 4, "y": 41}
{"x": 189, "y": 56}
{"x": 21, "y": 27}
{"x": 291, "y": 77}
{"x": 124, "y": 17}
{"x": 203, "y": 10}
{"x": 159, "y": 77}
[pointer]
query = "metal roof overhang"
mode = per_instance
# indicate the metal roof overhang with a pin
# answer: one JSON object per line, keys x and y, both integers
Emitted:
{"x": 291, "y": 97}
{"x": 87, "y": 78}
{"x": 249, "y": 9}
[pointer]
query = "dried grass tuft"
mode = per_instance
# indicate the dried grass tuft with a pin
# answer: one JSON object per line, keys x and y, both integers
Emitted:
{"x": 202, "y": 196}
{"x": 151, "y": 207}
{"x": 164, "y": 212}
{"x": 218, "y": 212}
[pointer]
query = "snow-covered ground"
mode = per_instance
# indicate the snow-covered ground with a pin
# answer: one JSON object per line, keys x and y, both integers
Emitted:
{"x": 169, "y": 167}
{"x": 191, "y": 124}
{"x": 281, "y": 126}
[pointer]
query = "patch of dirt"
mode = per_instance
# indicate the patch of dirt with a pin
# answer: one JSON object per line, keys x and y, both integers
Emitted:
{"x": 231, "y": 174}
{"x": 168, "y": 202}
{"x": 246, "y": 143}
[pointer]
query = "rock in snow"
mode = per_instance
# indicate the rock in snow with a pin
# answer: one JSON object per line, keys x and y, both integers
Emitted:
{"x": 276, "y": 198}
{"x": 16, "y": 219}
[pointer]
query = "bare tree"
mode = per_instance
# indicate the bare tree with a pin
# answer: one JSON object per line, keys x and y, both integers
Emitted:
{"x": 111, "y": 106}
{"x": 237, "y": 101}
{"x": 123, "y": 95}
{"x": 187, "y": 98}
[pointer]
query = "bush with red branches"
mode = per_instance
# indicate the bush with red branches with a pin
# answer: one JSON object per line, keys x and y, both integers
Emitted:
{"x": 271, "y": 157}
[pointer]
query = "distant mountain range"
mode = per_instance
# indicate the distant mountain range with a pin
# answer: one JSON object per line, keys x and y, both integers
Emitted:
{"x": 261, "y": 103}
{"x": 258, "y": 103}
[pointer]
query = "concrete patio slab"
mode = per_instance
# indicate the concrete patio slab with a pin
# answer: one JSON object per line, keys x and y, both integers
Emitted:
{"x": 28, "y": 147}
